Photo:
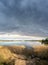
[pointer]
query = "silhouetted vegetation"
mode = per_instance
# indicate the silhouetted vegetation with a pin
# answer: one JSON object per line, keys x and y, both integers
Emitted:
{"x": 45, "y": 41}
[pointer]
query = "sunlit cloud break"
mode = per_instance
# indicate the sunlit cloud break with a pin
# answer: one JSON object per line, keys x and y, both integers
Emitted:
{"x": 19, "y": 37}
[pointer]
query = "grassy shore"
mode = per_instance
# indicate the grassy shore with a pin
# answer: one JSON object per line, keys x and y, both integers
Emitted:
{"x": 37, "y": 55}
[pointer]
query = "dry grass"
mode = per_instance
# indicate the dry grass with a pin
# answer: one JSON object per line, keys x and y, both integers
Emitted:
{"x": 41, "y": 51}
{"x": 16, "y": 49}
{"x": 6, "y": 52}
{"x": 21, "y": 50}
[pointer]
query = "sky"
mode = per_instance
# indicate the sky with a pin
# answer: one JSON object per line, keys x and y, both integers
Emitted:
{"x": 24, "y": 17}
{"x": 19, "y": 37}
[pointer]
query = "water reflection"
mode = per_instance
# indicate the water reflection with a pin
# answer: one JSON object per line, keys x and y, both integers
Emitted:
{"x": 27, "y": 43}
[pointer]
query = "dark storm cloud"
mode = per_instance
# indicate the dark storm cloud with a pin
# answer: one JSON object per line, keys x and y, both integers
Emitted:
{"x": 28, "y": 17}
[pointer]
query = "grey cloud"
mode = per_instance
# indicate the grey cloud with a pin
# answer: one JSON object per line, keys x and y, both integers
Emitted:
{"x": 24, "y": 16}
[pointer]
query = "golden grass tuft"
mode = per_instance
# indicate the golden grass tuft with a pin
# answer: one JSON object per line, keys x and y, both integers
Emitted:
{"x": 16, "y": 49}
{"x": 41, "y": 51}
{"x": 5, "y": 53}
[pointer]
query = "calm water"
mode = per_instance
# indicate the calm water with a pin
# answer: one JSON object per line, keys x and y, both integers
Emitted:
{"x": 33, "y": 43}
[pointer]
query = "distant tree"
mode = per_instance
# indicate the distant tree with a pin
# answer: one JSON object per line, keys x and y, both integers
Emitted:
{"x": 45, "y": 41}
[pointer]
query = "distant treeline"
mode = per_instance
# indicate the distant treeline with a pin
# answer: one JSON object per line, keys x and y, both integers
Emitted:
{"x": 18, "y": 40}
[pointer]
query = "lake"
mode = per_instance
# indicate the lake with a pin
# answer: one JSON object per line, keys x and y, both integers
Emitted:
{"x": 26, "y": 43}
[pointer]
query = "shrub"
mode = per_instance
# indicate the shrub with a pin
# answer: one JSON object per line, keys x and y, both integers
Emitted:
{"x": 45, "y": 41}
